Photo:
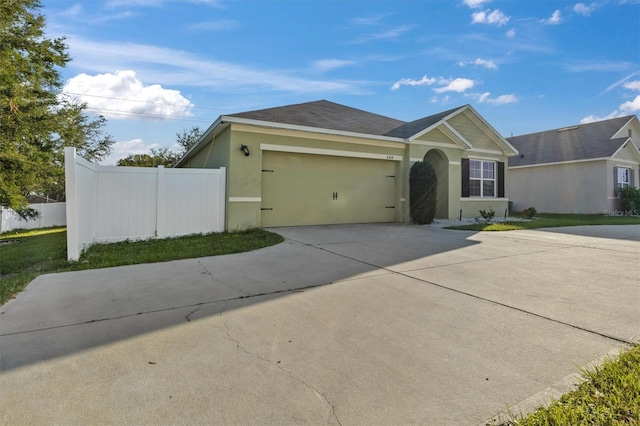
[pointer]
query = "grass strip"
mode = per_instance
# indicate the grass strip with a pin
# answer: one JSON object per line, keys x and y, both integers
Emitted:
{"x": 610, "y": 395}
{"x": 549, "y": 220}
{"x": 26, "y": 254}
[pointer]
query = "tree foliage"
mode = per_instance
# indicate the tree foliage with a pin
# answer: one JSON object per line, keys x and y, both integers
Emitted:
{"x": 158, "y": 157}
{"x": 188, "y": 138}
{"x": 164, "y": 156}
{"x": 423, "y": 186}
{"x": 36, "y": 121}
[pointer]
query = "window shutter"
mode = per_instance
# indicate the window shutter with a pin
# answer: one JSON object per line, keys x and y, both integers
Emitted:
{"x": 500, "y": 179}
{"x": 615, "y": 181}
{"x": 465, "y": 177}
{"x": 632, "y": 180}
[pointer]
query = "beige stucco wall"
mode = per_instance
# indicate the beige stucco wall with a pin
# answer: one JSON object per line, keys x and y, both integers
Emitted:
{"x": 247, "y": 184}
{"x": 585, "y": 187}
{"x": 244, "y": 173}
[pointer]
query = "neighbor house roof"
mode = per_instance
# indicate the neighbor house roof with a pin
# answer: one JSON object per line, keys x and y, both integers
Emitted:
{"x": 573, "y": 143}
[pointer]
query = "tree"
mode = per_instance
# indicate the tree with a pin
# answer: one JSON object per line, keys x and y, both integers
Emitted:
{"x": 188, "y": 138}
{"x": 36, "y": 121}
{"x": 160, "y": 157}
{"x": 164, "y": 156}
{"x": 423, "y": 186}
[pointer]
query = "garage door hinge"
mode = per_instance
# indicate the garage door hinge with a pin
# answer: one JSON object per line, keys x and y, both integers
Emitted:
{"x": 270, "y": 171}
{"x": 385, "y": 176}
{"x": 390, "y": 207}
{"x": 266, "y": 208}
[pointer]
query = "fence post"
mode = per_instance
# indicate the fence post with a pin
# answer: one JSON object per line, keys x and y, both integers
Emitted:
{"x": 73, "y": 252}
{"x": 222, "y": 200}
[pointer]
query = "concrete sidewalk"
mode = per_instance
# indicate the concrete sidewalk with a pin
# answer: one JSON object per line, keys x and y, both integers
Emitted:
{"x": 351, "y": 324}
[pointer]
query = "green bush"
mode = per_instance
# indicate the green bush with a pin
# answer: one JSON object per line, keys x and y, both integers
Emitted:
{"x": 423, "y": 187}
{"x": 530, "y": 212}
{"x": 630, "y": 198}
{"x": 488, "y": 214}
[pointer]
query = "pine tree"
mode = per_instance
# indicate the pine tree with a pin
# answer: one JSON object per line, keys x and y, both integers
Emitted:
{"x": 35, "y": 121}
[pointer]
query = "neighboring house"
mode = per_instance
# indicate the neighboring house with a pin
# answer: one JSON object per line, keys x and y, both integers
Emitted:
{"x": 575, "y": 169}
{"x": 325, "y": 163}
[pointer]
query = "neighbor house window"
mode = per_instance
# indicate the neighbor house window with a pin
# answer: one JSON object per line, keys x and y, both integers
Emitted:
{"x": 482, "y": 178}
{"x": 623, "y": 177}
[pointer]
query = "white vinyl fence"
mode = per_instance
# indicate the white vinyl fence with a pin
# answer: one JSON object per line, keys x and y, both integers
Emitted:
{"x": 109, "y": 203}
{"x": 51, "y": 214}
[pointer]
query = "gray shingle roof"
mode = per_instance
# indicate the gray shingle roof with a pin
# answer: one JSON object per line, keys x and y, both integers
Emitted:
{"x": 328, "y": 115}
{"x": 579, "y": 142}
{"x": 325, "y": 115}
{"x": 414, "y": 127}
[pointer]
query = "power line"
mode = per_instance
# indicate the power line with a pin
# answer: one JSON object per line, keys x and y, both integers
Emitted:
{"x": 140, "y": 101}
{"x": 105, "y": 111}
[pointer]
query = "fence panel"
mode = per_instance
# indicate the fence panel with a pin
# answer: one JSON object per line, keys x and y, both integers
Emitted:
{"x": 51, "y": 214}
{"x": 109, "y": 203}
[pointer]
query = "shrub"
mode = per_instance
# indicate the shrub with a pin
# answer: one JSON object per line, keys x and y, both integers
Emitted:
{"x": 423, "y": 186}
{"x": 530, "y": 212}
{"x": 488, "y": 214}
{"x": 630, "y": 198}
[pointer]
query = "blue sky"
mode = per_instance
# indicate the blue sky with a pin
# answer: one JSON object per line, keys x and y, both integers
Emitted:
{"x": 157, "y": 67}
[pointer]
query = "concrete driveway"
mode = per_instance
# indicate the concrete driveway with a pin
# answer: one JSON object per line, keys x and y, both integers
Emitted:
{"x": 352, "y": 324}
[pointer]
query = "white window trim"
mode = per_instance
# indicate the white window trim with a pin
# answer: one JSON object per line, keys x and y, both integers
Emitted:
{"x": 623, "y": 184}
{"x": 482, "y": 179}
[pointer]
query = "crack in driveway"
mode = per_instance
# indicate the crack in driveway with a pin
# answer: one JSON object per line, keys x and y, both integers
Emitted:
{"x": 475, "y": 296}
{"x": 276, "y": 364}
{"x": 207, "y": 272}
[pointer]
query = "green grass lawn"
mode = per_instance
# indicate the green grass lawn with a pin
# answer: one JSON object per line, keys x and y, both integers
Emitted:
{"x": 549, "y": 220}
{"x": 610, "y": 395}
{"x": 26, "y": 254}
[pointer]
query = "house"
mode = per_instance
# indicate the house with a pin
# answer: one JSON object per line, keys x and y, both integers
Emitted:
{"x": 575, "y": 169}
{"x": 325, "y": 163}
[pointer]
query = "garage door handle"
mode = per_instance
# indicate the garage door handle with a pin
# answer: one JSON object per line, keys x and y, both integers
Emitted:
{"x": 335, "y": 195}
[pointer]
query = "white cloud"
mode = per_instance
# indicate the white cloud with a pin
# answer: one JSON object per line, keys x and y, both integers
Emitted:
{"x": 554, "y": 19}
{"x": 324, "y": 65}
{"x": 122, "y": 95}
{"x": 625, "y": 108}
{"x": 630, "y": 107}
{"x": 372, "y": 20}
{"x": 500, "y": 100}
{"x": 221, "y": 25}
{"x": 175, "y": 67}
{"x": 474, "y": 4}
{"x": 456, "y": 85}
{"x": 445, "y": 84}
{"x": 593, "y": 118}
{"x": 485, "y": 63}
{"x": 410, "y": 82}
{"x": 490, "y": 17}
{"x": 503, "y": 99}
{"x": 511, "y": 33}
{"x": 583, "y": 9}
{"x": 155, "y": 3}
{"x": 391, "y": 34}
{"x": 632, "y": 85}
{"x": 123, "y": 149}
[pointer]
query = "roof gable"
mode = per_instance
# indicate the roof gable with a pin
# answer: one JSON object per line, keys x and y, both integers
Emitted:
{"x": 420, "y": 126}
{"x": 573, "y": 143}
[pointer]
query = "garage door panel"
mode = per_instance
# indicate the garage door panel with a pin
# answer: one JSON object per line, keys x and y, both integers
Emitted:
{"x": 298, "y": 189}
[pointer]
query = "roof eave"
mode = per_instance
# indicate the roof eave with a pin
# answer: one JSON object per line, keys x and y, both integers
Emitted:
{"x": 201, "y": 139}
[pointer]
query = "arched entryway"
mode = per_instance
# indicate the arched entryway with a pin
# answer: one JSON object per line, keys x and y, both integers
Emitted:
{"x": 440, "y": 163}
